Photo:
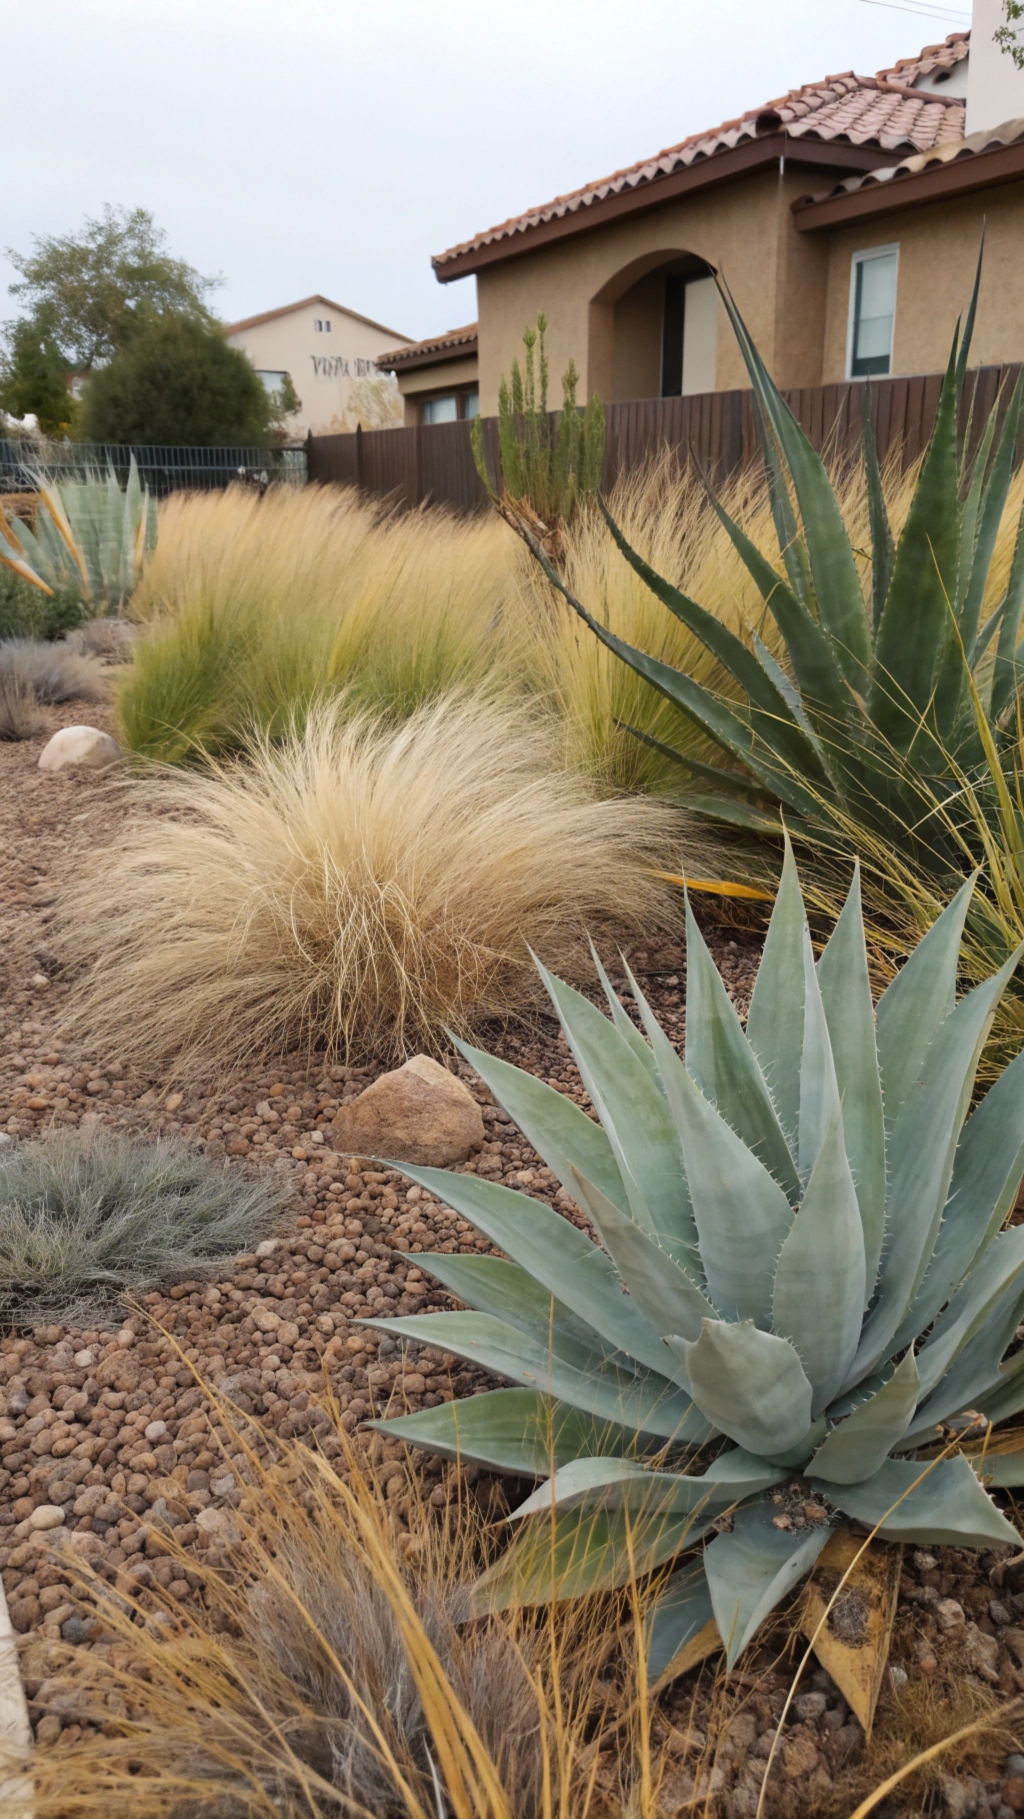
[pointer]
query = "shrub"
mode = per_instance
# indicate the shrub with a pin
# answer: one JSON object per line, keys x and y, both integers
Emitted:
{"x": 52, "y": 673}
{"x": 355, "y": 888}
{"x": 178, "y": 381}
{"x": 83, "y": 1218}
{"x": 26, "y": 612}
{"x": 19, "y": 710}
{"x": 823, "y": 1284}
{"x": 255, "y": 608}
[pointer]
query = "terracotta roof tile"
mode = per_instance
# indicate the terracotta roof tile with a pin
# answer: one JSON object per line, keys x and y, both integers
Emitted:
{"x": 1011, "y": 132}
{"x": 414, "y": 351}
{"x": 884, "y": 112}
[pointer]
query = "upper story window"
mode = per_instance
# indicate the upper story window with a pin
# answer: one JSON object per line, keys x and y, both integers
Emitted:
{"x": 872, "y": 312}
{"x": 322, "y": 324}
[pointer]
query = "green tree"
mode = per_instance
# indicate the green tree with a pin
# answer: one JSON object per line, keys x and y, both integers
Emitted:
{"x": 178, "y": 381}
{"x": 33, "y": 377}
{"x": 1007, "y": 36}
{"x": 94, "y": 290}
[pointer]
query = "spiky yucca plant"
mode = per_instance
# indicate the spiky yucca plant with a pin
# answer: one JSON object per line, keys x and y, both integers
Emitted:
{"x": 809, "y": 1232}
{"x": 91, "y": 535}
{"x": 891, "y": 696}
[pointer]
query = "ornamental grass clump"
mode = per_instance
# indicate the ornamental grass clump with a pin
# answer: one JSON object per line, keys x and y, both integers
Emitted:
{"x": 84, "y": 1218}
{"x": 355, "y": 889}
{"x": 799, "y": 1271}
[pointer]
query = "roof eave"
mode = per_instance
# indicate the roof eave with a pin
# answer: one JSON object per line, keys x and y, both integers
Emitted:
{"x": 950, "y": 177}
{"x": 737, "y": 161}
{"x": 399, "y": 363}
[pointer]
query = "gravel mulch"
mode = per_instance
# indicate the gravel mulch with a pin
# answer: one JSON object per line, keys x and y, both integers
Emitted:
{"x": 104, "y": 1433}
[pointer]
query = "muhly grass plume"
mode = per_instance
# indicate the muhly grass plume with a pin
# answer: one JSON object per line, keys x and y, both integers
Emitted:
{"x": 85, "y": 1217}
{"x": 357, "y": 888}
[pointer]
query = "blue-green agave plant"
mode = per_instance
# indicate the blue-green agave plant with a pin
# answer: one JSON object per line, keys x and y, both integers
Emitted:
{"x": 800, "y": 1268}
{"x": 91, "y": 536}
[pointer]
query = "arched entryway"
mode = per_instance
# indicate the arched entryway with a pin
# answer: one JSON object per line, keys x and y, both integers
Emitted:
{"x": 654, "y": 329}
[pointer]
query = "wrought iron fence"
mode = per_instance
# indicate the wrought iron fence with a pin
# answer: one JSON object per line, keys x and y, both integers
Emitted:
{"x": 162, "y": 469}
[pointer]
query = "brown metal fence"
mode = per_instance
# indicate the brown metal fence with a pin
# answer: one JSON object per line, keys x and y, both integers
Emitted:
{"x": 433, "y": 464}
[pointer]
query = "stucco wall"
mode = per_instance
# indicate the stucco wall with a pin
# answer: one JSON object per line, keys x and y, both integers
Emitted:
{"x": 429, "y": 381}
{"x": 938, "y": 254}
{"x": 317, "y": 361}
{"x": 743, "y": 228}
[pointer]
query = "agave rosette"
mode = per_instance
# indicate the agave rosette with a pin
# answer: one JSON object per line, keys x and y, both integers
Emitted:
{"x": 90, "y": 535}
{"x": 802, "y": 1270}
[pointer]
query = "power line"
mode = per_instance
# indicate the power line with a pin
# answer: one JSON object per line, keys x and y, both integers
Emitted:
{"x": 923, "y": 10}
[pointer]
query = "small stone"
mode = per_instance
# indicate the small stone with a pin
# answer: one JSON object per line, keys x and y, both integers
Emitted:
{"x": 156, "y": 1431}
{"x": 220, "y": 1527}
{"x": 999, "y": 1615}
{"x": 959, "y": 1798}
{"x": 898, "y": 1676}
{"x": 266, "y": 1248}
{"x": 809, "y": 1707}
{"x": 418, "y": 1113}
{"x": 48, "y": 1729}
{"x": 77, "y": 1629}
{"x": 1014, "y": 1766}
{"x": 949, "y": 1615}
{"x": 799, "y": 1757}
{"x": 82, "y": 1360}
{"x": 223, "y": 1486}
{"x": 48, "y": 1515}
{"x": 925, "y": 1563}
{"x": 1013, "y": 1793}
{"x": 79, "y": 745}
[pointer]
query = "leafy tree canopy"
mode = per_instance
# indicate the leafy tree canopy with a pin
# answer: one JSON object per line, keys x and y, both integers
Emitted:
{"x": 91, "y": 292}
{"x": 178, "y": 381}
{"x": 33, "y": 378}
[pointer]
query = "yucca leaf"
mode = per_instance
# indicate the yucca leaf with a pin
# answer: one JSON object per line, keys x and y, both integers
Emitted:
{"x": 995, "y": 1273}
{"x": 755, "y": 1381}
{"x": 580, "y": 1552}
{"x": 986, "y": 1176}
{"x": 682, "y": 1610}
{"x": 818, "y": 1299}
{"x": 666, "y": 1294}
{"x": 752, "y": 1569}
{"x": 914, "y": 631}
{"x": 635, "y": 1115}
{"x": 860, "y": 1445}
{"x": 913, "y": 1008}
{"x": 624, "y": 1484}
{"x": 648, "y": 1402}
{"x": 922, "y": 1148}
{"x": 833, "y": 568}
{"x": 775, "y": 1022}
{"x": 558, "y": 1129}
{"x": 517, "y": 1431}
{"x": 558, "y": 1257}
{"x": 845, "y": 988}
{"x": 948, "y": 1508}
{"x": 882, "y": 546}
{"x": 742, "y": 1214}
{"x": 819, "y": 1088}
{"x": 721, "y": 1061}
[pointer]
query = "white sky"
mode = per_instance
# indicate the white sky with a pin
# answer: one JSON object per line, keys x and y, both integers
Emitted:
{"x": 318, "y": 145}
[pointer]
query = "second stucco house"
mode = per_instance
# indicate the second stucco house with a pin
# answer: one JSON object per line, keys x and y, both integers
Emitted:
{"x": 846, "y": 217}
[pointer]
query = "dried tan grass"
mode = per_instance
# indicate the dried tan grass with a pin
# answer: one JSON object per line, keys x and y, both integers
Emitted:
{"x": 356, "y": 888}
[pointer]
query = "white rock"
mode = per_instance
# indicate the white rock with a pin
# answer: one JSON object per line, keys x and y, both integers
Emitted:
{"x": 156, "y": 1430}
{"x": 266, "y": 1248}
{"x": 84, "y": 745}
{"x": 83, "y": 1360}
{"x": 48, "y": 1515}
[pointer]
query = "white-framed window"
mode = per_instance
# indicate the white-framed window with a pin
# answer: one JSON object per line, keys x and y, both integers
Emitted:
{"x": 273, "y": 381}
{"x": 322, "y": 324}
{"x": 873, "y": 275}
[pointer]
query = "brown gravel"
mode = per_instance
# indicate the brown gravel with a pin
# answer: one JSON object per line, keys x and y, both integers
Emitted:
{"x": 104, "y": 1434}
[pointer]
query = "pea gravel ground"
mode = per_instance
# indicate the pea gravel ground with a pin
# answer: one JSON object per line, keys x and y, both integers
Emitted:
{"x": 105, "y": 1435}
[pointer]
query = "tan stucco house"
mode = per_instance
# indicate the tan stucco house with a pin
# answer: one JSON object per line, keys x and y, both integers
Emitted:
{"x": 846, "y": 216}
{"x": 322, "y": 347}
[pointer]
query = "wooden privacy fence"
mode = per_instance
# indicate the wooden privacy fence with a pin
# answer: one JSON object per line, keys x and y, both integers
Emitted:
{"x": 433, "y": 463}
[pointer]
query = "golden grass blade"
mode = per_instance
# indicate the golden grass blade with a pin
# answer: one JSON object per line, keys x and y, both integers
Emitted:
{"x": 990, "y": 1722}
{"x": 718, "y": 887}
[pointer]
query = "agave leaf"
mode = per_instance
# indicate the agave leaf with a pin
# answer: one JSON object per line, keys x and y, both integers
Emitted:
{"x": 921, "y": 1153}
{"x": 625, "y": 1484}
{"x": 730, "y": 812}
{"x": 732, "y": 782}
{"x": 751, "y": 1570}
{"x": 721, "y": 1061}
{"x": 992, "y": 504}
{"x": 1006, "y": 668}
{"x": 978, "y": 1367}
{"x": 742, "y": 1213}
{"x": 914, "y": 631}
{"x": 941, "y": 1507}
{"x": 1003, "y": 1397}
{"x": 492, "y": 1285}
{"x": 819, "y": 1088}
{"x": 633, "y": 1111}
{"x": 913, "y": 1008}
{"x": 559, "y": 1130}
{"x": 621, "y": 1019}
{"x": 852, "y": 1627}
{"x": 1003, "y": 1471}
{"x": 818, "y": 1301}
{"x": 648, "y": 1402}
{"x": 666, "y": 1294}
{"x": 554, "y": 1254}
{"x": 860, "y": 1445}
{"x": 678, "y": 1619}
{"x": 775, "y": 1022}
{"x": 849, "y": 1014}
{"x": 517, "y": 1431}
{"x": 582, "y": 1551}
{"x": 882, "y": 546}
{"x": 751, "y": 1385}
{"x": 997, "y": 1270}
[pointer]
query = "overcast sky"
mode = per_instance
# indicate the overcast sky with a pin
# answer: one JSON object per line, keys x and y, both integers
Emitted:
{"x": 319, "y": 145}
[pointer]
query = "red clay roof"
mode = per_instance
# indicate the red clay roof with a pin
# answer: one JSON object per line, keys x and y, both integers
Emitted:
{"x": 883, "y": 113}
{"x": 287, "y": 309}
{"x": 876, "y": 191}
{"x": 456, "y": 343}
